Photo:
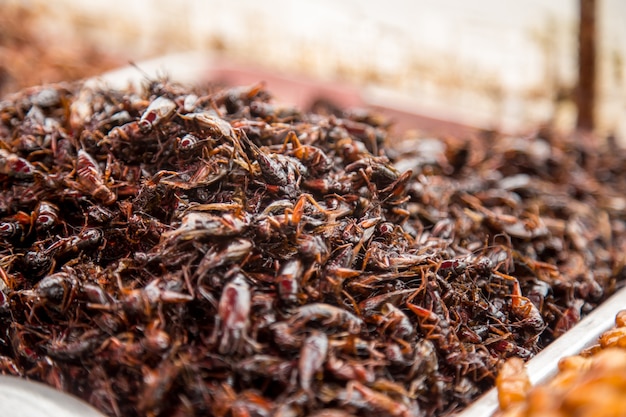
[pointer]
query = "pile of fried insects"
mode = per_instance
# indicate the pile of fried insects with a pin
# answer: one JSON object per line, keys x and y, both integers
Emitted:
{"x": 203, "y": 251}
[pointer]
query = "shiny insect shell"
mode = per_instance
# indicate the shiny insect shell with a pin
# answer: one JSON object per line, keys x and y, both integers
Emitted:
{"x": 90, "y": 177}
{"x": 232, "y": 319}
{"x": 159, "y": 111}
{"x": 15, "y": 166}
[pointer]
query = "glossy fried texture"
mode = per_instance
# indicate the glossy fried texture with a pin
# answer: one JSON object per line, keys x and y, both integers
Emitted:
{"x": 178, "y": 251}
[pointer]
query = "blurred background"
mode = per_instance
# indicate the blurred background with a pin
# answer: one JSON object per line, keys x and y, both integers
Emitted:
{"x": 489, "y": 64}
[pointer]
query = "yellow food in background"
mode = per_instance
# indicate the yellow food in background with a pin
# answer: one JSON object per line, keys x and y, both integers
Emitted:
{"x": 587, "y": 385}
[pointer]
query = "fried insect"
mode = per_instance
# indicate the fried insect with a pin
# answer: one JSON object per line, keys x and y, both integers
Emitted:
{"x": 231, "y": 321}
{"x": 14, "y": 166}
{"x": 312, "y": 358}
{"x": 91, "y": 179}
{"x": 46, "y": 216}
{"x": 522, "y": 307}
{"x": 59, "y": 290}
{"x": 144, "y": 301}
{"x": 327, "y": 315}
{"x": 159, "y": 111}
{"x": 288, "y": 281}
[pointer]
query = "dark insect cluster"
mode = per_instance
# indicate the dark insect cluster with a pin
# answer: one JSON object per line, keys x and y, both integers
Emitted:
{"x": 182, "y": 251}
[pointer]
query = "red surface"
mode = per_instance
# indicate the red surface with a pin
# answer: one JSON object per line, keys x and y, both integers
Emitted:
{"x": 303, "y": 92}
